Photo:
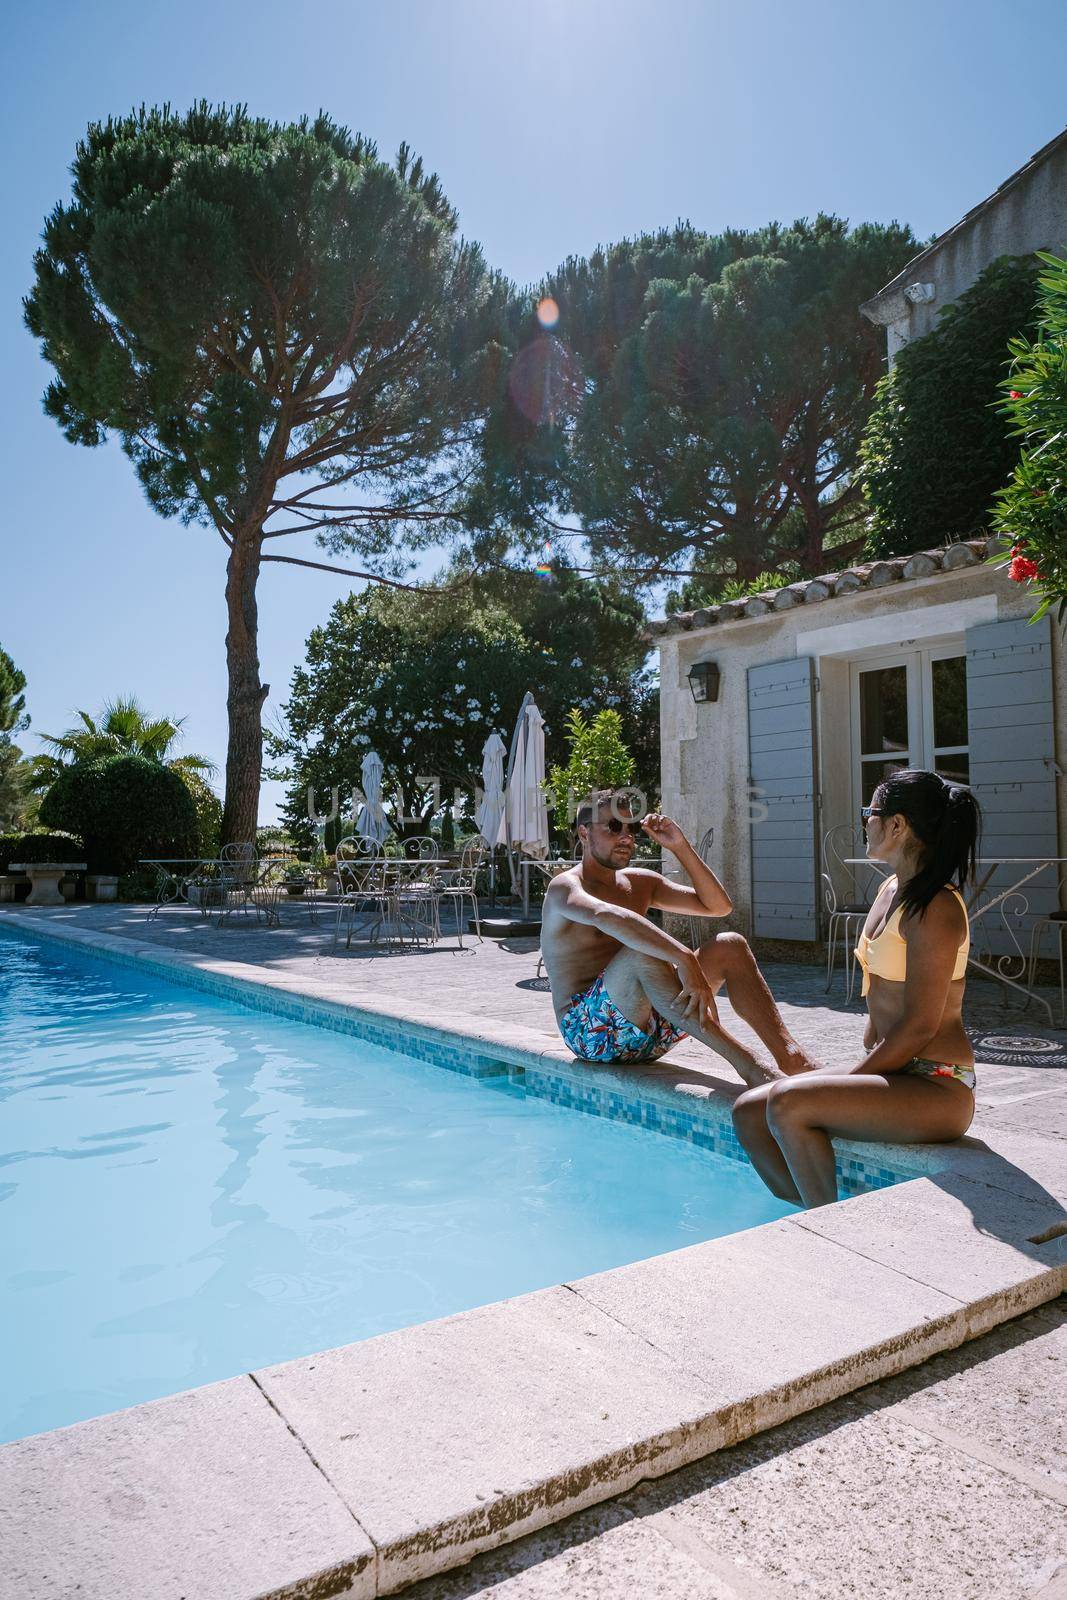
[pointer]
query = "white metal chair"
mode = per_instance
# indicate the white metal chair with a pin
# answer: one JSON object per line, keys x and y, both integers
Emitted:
{"x": 362, "y": 887}
{"x": 459, "y": 884}
{"x": 416, "y": 888}
{"x": 844, "y": 917}
{"x": 1057, "y": 922}
{"x": 228, "y": 884}
{"x": 707, "y": 839}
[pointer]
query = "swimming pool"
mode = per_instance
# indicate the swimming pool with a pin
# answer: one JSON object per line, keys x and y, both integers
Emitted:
{"x": 192, "y": 1188}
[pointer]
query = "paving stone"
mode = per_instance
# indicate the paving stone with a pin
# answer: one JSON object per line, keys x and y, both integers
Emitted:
{"x": 1046, "y": 1116}
{"x": 842, "y": 1505}
{"x": 967, "y": 1239}
{"x": 603, "y": 1554}
{"x": 446, "y": 1438}
{"x": 1006, "y": 1396}
{"x": 204, "y": 1494}
{"x": 778, "y": 1315}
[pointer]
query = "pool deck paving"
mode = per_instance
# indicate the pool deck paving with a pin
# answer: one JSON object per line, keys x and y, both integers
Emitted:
{"x": 869, "y": 1398}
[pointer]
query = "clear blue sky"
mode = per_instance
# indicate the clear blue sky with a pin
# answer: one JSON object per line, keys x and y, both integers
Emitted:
{"x": 554, "y": 127}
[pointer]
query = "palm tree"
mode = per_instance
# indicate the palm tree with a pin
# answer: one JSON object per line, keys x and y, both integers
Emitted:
{"x": 123, "y": 728}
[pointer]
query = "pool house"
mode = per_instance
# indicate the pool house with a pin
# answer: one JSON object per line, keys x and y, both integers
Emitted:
{"x": 781, "y": 713}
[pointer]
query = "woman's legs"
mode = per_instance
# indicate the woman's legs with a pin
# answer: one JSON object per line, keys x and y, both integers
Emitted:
{"x": 803, "y": 1113}
{"x": 750, "y": 1125}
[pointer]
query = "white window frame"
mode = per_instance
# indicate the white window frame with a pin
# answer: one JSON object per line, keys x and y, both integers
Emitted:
{"x": 917, "y": 660}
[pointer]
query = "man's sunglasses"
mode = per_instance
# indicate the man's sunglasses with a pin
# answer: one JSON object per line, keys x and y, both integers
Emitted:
{"x": 617, "y": 825}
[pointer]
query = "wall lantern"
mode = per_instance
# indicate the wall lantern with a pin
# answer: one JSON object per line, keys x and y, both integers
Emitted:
{"x": 704, "y": 679}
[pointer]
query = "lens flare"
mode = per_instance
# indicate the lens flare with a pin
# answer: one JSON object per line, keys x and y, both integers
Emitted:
{"x": 547, "y": 312}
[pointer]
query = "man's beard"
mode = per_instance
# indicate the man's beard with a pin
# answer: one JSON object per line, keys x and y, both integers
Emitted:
{"x": 607, "y": 863}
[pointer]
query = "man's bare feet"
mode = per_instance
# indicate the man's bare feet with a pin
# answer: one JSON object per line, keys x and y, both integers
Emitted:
{"x": 795, "y": 1059}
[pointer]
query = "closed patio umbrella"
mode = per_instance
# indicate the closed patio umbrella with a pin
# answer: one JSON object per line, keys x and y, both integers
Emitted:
{"x": 490, "y": 813}
{"x": 527, "y": 808}
{"x": 371, "y": 820}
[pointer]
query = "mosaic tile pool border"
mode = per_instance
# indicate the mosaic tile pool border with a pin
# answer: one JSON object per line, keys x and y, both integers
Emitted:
{"x": 709, "y": 1127}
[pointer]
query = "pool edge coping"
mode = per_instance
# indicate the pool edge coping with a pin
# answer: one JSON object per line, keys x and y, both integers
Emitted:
{"x": 518, "y": 1507}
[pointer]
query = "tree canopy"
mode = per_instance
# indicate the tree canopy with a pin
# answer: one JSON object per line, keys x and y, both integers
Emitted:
{"x": 14, "y": 771}
{"x": 424, "y": 682}
{"x": 937, "y": 449}
{"x": 700, "y": 399}
{"x": 286, "y": 335}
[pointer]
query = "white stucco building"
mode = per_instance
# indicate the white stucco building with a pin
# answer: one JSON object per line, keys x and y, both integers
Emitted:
{"x": 928, "y": 661}
{"x": 1027, "y": 212}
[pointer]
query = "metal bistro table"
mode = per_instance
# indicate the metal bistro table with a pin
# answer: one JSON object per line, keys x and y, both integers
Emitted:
{"x": 172, "y": 886}
{"x": 549, "y": 867}
{"x": 1032, "y": 867}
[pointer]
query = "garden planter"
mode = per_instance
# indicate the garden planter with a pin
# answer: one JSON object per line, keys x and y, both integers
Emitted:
{"x": 295, "y": 889}
{"x": 102, "y": 886}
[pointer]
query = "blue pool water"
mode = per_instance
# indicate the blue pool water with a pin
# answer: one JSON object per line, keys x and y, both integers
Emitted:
{"x": 190, "y": 1188}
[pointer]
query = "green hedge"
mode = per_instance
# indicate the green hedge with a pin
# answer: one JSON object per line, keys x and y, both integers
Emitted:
{"x": 124, "y": 807}
{"x": 936, "y": 449}
{"x": 39, "y": 847}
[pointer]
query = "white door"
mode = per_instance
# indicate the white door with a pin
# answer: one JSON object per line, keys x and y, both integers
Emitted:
{"x": 909, "y": 709}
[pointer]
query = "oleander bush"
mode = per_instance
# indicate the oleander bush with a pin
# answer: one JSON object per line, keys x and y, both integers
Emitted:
{"x": 1031, "y": 510}
{"x": 125, "y": 808}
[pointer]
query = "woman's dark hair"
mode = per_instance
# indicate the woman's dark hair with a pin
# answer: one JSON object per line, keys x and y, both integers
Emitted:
{"x": 945, "y": 818}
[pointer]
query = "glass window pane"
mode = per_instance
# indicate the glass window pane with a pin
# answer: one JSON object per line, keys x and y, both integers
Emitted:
{"x": 950, "y": 701}
{"x": 872, "y": 773}
{"x": 957, "y": 769}
{"x": 884, "y": 710}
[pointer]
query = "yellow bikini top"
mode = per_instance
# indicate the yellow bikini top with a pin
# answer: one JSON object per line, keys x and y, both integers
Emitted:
{"x": 886, "y": 955}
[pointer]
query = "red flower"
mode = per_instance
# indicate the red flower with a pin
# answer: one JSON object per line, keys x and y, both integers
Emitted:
{"x": 1022, "y": 568}
{"x": 1016, "y": 394}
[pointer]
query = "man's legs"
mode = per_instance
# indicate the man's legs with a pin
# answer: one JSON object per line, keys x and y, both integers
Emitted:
{"x": 637, "y": 983}
{"x": 727, "y": 957}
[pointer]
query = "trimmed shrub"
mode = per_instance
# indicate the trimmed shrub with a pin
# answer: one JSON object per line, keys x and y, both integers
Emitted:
{"x": 937, "y": 449}
{"x": 39, "y": 847}
{"x": 125, "y": 808}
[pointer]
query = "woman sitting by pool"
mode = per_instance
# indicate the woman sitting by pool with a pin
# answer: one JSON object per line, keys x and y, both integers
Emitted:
{"x": 916, "y": 1082}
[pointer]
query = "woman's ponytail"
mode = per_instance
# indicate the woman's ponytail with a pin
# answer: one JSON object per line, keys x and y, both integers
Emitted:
{"x": 946, "y": 819}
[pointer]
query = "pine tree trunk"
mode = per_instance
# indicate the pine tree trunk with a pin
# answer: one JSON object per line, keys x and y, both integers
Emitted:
{"x": 245, "y": 693}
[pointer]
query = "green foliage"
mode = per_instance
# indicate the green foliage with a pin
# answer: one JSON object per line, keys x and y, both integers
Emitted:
{"x": 1032, "y": 510}
{"x": 125, "y": 808}
{"x": 14, "y": 771}
{"x": 13, "y": 718}
{"x": 707, "y": 395}
{"x": 208, "y": 809}
{"x": 709, "y": 591}
{"x": 123, "y": 727}
{"x": 937, "y": 450}
{"x": 286, "y": 334}
{"x": 39, "y": 847}
{"x": 423, "y": 680}
{"x": 597, "y": 759}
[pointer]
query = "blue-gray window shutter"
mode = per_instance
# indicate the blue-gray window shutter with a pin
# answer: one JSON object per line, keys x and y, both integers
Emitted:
{"x": 1013, "y": 769}
{"x": 781, "y": 743}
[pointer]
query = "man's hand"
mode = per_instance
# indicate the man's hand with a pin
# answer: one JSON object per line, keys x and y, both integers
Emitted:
{"x": 664, "y": 831}
{"x": 696, "y": 998}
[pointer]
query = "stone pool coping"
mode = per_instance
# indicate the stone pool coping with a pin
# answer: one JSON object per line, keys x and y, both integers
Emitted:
{"x": 358, "y": 1470}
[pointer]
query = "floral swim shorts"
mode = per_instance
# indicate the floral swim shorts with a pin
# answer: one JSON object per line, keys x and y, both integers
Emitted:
{"x": 596, "y": 1030}
{"x": 922, "y": 1068}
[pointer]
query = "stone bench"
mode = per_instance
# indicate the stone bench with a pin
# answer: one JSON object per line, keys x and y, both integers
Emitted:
{"x": 45, "y": 878}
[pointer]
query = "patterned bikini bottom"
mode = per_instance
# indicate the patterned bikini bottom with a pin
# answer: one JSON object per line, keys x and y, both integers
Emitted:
{"x": 921, "y": 1068}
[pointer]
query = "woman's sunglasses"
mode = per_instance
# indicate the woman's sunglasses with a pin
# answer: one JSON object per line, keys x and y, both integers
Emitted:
{"x": 617, "y": 825}
{"x": 871, "y": 811}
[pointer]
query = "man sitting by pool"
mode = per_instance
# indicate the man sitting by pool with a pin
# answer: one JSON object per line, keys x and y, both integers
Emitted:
{"x": 623, "y": 989}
